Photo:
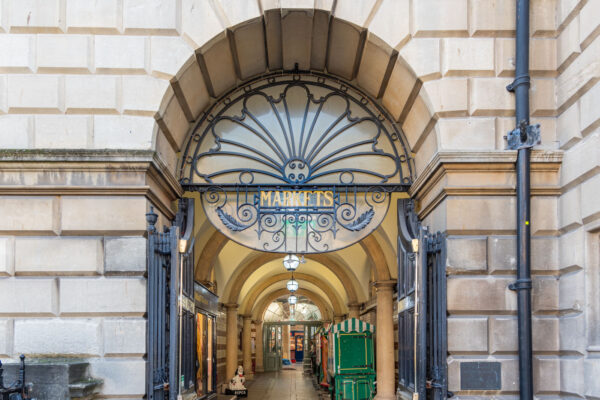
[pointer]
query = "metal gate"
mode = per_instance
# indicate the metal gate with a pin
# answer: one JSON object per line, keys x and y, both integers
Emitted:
{"x": 422, "y": 331}
{"x": 170, "y": 305}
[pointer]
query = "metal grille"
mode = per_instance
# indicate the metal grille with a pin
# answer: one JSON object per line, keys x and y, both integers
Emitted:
{"x": 422, "y": 341}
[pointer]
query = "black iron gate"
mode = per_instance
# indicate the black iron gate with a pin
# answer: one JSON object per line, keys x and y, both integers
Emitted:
{"x": 422, "y": 331}
{"x": 170, "y": 303}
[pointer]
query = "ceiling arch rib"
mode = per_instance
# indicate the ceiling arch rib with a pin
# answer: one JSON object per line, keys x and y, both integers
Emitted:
{"x": 259, "y": 308}
{"x": 249, "y": 300}
{"x": 257, "y": 260}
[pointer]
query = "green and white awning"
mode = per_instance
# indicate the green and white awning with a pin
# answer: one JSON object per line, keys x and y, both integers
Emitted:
{"x": 352, "y": 325}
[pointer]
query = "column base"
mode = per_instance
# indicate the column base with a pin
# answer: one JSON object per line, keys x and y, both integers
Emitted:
{"x": 385, "y": 397}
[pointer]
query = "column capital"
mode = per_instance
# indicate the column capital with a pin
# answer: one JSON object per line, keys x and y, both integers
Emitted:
{"x": 247, "y": 318}
{"x": 354, "y": 305}
{"x": 231, "y": 306}
{"x": 384, "y": 285}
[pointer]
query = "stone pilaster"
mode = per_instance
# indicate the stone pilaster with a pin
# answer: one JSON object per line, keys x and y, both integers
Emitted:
{"x": 286, "y": 341}
{"x": 232, "y": 340}
{"x": 353, "y": 310}
{"x": 385, "y": 341}
{"x": 259, "y": 346}
{"x": 247, "y": 347}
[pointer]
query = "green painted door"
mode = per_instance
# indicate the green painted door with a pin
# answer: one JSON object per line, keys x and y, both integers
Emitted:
{"x": 272, "y": 347}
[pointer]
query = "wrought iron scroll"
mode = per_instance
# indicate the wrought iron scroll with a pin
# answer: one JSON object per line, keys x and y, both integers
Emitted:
{"x": 302, "y": 225}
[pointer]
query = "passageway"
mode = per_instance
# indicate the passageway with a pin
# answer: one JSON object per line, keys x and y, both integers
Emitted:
{"x": 287, "y": 384}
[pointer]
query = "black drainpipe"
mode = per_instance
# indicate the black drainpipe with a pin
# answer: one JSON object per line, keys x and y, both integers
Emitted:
{"x": 522, "y": 139}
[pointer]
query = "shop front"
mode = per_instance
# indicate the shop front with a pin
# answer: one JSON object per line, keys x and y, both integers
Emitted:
{"x": 206, "y": 304}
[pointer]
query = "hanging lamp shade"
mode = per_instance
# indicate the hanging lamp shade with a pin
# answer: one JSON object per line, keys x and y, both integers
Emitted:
{"x": 292, "y": 285}
{"x": 291, "y": 262}
{"x": 292, "y": 299}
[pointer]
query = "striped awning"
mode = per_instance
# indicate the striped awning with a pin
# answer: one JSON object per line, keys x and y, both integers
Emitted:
{"x": 352, "y": 325}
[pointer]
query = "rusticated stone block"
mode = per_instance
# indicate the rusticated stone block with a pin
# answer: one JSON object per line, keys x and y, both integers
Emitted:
{"x": 199, "y": 22}
{"x": 123, "y": 132}
{"x": 39, "y": 217}
{"x": 474, "y": 215}
{"x": 94, "y": 16}
{"x": 34, "y": 15}
{"x": 440, "y": 18}
{"x": 62, "y": 132}
{"x": 7, "y": 255}
{"x": 468, "y": 56}
{"x": 92, "y": 93}
{"x": 168, "y": 54}
{"x": 57, "y": 53}
{"x": 6, "y": 337}
{"x": 17, "y": 53}
{"x": 504, "y": 335}
{"x": 238, "y": 11}
{"x": 544, "y": 294}
{"x": 567, "y": 45}
{"x": 590, "y": 195}
{"x": 581, "y": 159}
{"x": 124, "y": 336}
{"x": 149, "y": 16}
{"x": 449, "y": 97}
{"x": 589, "y": 115}
{"x": 355, "y": 11}
{"x": 466, "y": 254}
{"x": 391, "y": 22}
{"x": 120, "y": 53}
{"x": 589, "y": 27}
{"x": 58, "y": 255}
{"x": 467, "y": 335}
{"x": 543, "y": 18}
{"x": 489, "y": 96}
{"x": 423, "y": 56}
{"x": 122, "y": 378}
{"x": 546, "y": 374}
{"x": 573, "y": 334}
{"x": 572, "y": 249}
{"x": 467, "y": 133}
{"x": 15, "y": 130}
{"x": 501, "y": 253}
{"x": 58, "y": 336}
{"x": 34, "y": 93}
{"x": 568, "y": 127}
{"x": 492, "y": 18}
{"x": 106, "y": 296}
{"x": 572, "y": 375}
{"x": 572, "y": 291}
{"x": 20, "y": 296}
{"x": 480, "y": 295}
{"x": 125, "y": 254}
{"x": 591, "y": 372}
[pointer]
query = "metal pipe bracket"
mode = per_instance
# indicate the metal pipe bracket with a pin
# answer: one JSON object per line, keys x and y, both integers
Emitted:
{"x": 520, "y": 284}
{"x": 523, "y": 137}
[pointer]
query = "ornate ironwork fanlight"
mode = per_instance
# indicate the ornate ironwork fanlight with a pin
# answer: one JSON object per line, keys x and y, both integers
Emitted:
{"x": 298, "y": 163}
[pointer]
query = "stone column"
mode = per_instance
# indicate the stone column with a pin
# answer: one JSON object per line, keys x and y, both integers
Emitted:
{"x": 353, "y": 310}
{"x": 259, "y": 346}
{"x": 232, "y": 341}
{"x": 385, "y": 341}
{"x": 337, "y": 319}
{"x": 247, "y": 347}
{"x": 286, "y": 341}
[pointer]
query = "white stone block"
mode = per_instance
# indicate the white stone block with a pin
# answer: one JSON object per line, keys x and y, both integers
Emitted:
{"x": 125, "y": 254}
{"x": 6, "y": 337}
{"x": 589, "y": 110}
{"x": 142, "y": 94}
{"x": 568, "y": 127}
{"x": 590, "y": 198}
{"x": 93, "y": 15}
{"x": 423, "y": 55}
{"x": 355, "y": 11}
{"x": 581, "y": 159}
{"x": 116, "y": 215}
{"x": 168, "y": 55}
{"x": 58, "y": 53}
{"x": 440, "y": 18}
{"x": 91, "y": 93}
{"x": 58, "y": 255}
{"x": 34, "y": 92}
{"x": 570, "y": 209}
{"x": 149, "y": 15}
{"x": 572, "y": 252}
{"x": 7, "y": 255}
{"x": 62, "y": 132}
{"x": 391, "y": 22}
{"x": 120, "y": 53}
{"x": 15, "y": 131}
{"x": 589, "y": 25}
{"x": 122, "y": 378}
{"x": 38, "y": 218}
{"x": 467, "y": 133}
{"x": 41, "y": 336}
{"x": 199, "y": 21}
{"x": 123, "y": 132}
{"x": 28, "y": 296}
{"x": 34, "y": 15}
{"x": 472, "y": 56}
{"x": 238, "y": 11}
{"x": 592, "y": 383}
{"x": 17, "y": 53}
{"x": 106, "y": 296}
{"x": 124, "y": 336}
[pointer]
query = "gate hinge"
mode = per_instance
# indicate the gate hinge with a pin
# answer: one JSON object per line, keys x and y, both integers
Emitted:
{"x": 523, "y": 137}
{"x": 520, "y": 284}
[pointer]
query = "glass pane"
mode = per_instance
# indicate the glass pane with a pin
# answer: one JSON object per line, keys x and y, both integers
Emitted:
{"x": 209, "y": 353}
{"x": 200, "y": 348}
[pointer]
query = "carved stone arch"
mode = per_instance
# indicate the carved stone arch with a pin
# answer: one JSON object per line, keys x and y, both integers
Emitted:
{"x": 260, "y": 287}
{"x": 208, "y": 256}
{"x": 373, "y": 250}
{"x": 257, "y": 260}
{"x": 260, "y": 307}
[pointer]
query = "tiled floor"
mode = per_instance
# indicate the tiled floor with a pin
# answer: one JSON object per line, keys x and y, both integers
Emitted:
{"x": 282, "y": 385}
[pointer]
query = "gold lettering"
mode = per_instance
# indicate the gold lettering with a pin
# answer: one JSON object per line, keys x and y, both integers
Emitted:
{"x": 328, "y": 198}
{"x": 295, "y": 199}
{"x": 306, "y": 197}
{"x": 318, "y": 202}
{"x": 277, "y": 199}
{"x": 265, "y": 197}
{"x": 287, "y": 198}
